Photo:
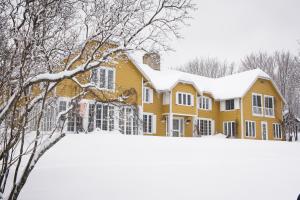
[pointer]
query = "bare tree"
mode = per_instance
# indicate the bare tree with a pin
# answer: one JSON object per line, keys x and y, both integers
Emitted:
{"x": 44, "y": 42}
{"x": 209, "y": 67}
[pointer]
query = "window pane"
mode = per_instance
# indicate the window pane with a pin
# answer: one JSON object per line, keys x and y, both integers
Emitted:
{"x": 102, "y": 78}
{"x": 189, "y": 100}
{"x": 259, "y": 101}
{"x": 110, "y": 81}
{"x": 145, "y": 123}
{"x": 98, "y": 116}
{"x": 91, "y": 117}
{"x": 105, "y": 118}
{"x": 111, "y": 118}
{"x": 180, "y": 98}
{"x": 184, "y": 99}
{"x": 150, "y": 123}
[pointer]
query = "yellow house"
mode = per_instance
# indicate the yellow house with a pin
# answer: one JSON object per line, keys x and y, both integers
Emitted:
{"x": 173, "y": 103}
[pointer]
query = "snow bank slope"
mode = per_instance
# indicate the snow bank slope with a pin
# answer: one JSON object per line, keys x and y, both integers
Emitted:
{"x": 117, "y": 167}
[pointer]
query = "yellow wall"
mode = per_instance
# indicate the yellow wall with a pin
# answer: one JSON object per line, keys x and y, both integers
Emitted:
{"x": 180, "y": 109}
{"x": 127, "y": 77}
{"x": 263, "y": 87}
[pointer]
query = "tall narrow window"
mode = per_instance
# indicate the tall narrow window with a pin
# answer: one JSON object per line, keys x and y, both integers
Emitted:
{"x": 250, "y": 129}
{"x": 277, "y": 133}
{"x": 269, "y": 106}
{"x": 148, "y": 123}
{"x": 256, "y": 104}
{"x": 148, "y": 95}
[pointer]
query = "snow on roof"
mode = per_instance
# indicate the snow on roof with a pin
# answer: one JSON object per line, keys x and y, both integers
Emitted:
{"x": 228, "y": 87}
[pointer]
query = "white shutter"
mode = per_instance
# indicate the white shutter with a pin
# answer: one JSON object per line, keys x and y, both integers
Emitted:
{"x": 237, "y": 103}
{"x": 150, "y": 95}
{"x": 210, "y": 104}
{"x": 212, "y": 127}
{"x": 176, "y": 97}
{"x": 153, "y": 124}
{"x": 166, "y": 98}
{"x": 192, "y": 100}
{"x": 222, "y": 105}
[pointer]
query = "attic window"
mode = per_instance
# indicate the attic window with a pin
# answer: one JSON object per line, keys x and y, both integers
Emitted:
{"x": 269, "y": 106}
{"x": 104, "y": 78}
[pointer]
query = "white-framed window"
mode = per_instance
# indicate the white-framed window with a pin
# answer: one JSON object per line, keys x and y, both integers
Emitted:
{"x": 250, "y": 128}
{"x": 229, "y": 104}
{"x": 277, "y": 132}
{"x": 149, "y": 123}
{"x": 185, "y": 99}
{"x": 128, "y": 120}
{"x": 101, "y": 116}
{"x": 229, "y": 128}
{"x": 204, "y": 103}
{"x": 257, "y": 104}
{"x": 148, "y": 95}
{"x": 204, "y": 126}
{"x": 104, "y": 78}
{"x": 269, "y": 105}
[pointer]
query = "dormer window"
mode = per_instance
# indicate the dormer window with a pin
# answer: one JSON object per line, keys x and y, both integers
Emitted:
{"x": 104, "y": 78}
{"x": 184, "y": 99}
{"x": 229, "y": 104}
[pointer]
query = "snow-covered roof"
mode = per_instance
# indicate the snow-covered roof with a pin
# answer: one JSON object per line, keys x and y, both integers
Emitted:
{"x": 228, "y": 87}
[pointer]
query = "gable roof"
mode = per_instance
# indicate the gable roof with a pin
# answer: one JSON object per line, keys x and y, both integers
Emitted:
{"x": 228, "y": 87}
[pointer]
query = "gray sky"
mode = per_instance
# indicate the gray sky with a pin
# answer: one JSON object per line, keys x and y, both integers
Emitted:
{"x": 231, "y": 29}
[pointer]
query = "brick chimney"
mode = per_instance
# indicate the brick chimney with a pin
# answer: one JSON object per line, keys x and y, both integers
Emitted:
{"x": 152, "y": 59}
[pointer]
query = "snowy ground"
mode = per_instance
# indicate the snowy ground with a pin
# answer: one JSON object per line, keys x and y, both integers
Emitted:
{"x": 117, "y": 167}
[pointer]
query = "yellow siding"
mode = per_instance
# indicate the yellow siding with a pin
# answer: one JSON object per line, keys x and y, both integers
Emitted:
{"x": 263, "y": 87}
{"x": 180, "y": 109}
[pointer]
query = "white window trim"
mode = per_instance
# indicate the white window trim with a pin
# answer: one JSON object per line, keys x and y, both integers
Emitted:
{"x": 248, "y": 127}
{"x": 269, "y": 116}
{"x": 226, "y": 122}
{"x": 262, "y": 105}
{"x": 200, "y": 98}
{"x": 106, "y": 74}
{"x": 212, "y": 128}
{"x": 150, "y": 95}
{"x": 274, "y": 134}
{"x": 153, "y": 125}
{"x": 182, "y": 93}
{"x": 230, "y": 109}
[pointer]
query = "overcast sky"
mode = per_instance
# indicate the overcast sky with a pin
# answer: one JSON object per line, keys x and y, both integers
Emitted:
{"x": 231, "y": 29}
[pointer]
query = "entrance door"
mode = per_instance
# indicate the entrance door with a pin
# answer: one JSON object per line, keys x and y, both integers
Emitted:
{"x": 178, "y": 127}
{"x": 264, "y": 130}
